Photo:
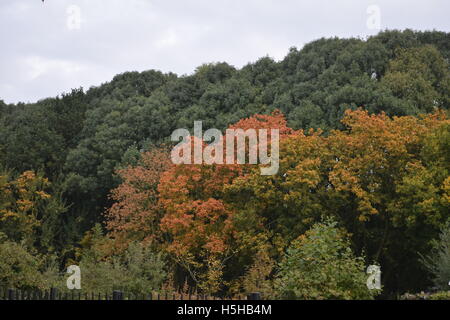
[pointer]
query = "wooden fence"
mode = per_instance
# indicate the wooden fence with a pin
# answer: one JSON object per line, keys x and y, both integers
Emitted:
{"x": 55, "y": 294}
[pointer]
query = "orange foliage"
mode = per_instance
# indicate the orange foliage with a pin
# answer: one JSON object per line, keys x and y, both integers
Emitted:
{"x": 136, "y": 212}
{"x": 195, "y": 214}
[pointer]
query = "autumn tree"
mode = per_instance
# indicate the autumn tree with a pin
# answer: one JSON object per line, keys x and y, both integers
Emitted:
{"x": 29, "y": 211}
{"x": 198, "y": 222}
{"x": 375, "y": 177}
{"x": 136, "y": 212}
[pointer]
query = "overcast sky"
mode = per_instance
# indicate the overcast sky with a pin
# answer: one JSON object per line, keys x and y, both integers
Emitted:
{"x": 48, "y": 48}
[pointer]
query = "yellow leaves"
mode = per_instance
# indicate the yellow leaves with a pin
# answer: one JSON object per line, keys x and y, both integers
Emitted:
{"x": 21, "y": 201}
{"x": 26, "y": 176}
{"x": 445, "y": 199}
{"x": 24, "y": 205}
{"x": 363, "y": 218}
{"x": 374, "y": 167}
{"x": 42, "y": 194}
{"x": 305, "y": 173}
{"x": 375, "y": 151}
{"x": 6, "y": 214}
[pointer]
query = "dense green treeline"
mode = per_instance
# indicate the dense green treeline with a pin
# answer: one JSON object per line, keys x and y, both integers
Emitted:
{"x": 79, "y": 139}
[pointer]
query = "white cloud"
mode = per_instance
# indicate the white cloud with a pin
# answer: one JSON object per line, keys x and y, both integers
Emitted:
{"x": 40, "y": 57}
{"x": 36, "y": 67}
{"x": 168, "y": 39}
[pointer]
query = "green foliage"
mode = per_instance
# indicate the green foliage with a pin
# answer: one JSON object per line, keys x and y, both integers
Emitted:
{"x": 137, "y": 270}
{"x": 24, "y": 269}
{"x": 420, "y": 76}
{"x": 438, "y": 262}
{"x": 321, "y": 265}
{"x": 18, "y": 268}
{"x": 79, "y": 140}
{"x": 29, "y": 141}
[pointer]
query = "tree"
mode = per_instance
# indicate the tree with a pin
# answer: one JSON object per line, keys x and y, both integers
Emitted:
{"x": 21, "y": 206}
{"x": 198, "y": 222}
{"x": 421, "y": 76}
{"x": 321, "y": 265}
{"x": 136, "y": 212}
{"x": 375, "y": 177}
{"x": 438, "y": 262}
{"x": 30, "y": 142}
{"x": 382, "y": 177}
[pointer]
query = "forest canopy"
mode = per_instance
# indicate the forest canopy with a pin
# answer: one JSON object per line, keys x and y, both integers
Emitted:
{"x": 85, "y": 177}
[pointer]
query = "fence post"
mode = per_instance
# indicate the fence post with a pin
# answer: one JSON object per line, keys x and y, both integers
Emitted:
{"x": 117, "y": 295}
{"x": 254, "y": 296}
{"x": 11, "y": 294}
{"x": 53, "y": 293}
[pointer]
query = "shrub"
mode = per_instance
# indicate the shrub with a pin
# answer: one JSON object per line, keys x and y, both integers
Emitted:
{"x": 18, "y": 267}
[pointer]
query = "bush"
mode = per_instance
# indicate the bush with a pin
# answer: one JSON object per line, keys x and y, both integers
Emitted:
{"x": 21, "y": 269}
{"x": 321, "y": 265}
{"x": 137, "y": 270}
{"x": 18, "y": 268}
